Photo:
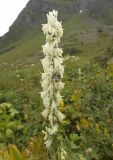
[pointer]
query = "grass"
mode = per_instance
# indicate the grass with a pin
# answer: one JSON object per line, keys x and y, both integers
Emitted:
{"x": 22, "y": 80}
{"x": 20, "y": 71}
{"x": 27, "y": 46}
{"x": 31, "y": 43}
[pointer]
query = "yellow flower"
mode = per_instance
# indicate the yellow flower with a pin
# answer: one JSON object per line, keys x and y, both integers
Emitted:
{"x": 77, "y": 107}
{"x": 26, "y": 116}
{"x": 76, "y": 95}
{"x": 109, "y": 70}
{"x": 106, "y": 132}
{"x": 97, "y": 127}
{"x": 84, "y": 122}
{"x": 62, "y": 106}
{"x": 78, "y": 127}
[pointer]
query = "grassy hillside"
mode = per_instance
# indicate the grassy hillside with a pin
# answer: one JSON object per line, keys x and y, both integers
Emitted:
{"x": 87, "y": 104}
{"x": 102, "y": 10}
{"x": 79, "y": 31}
{"x": 87, "y": 96}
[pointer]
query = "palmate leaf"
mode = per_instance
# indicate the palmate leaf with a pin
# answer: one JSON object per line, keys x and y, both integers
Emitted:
{"x": 25, "y": 155}
{"x": 4, "y": 155}
{"x": 14, "y": 153}
{"x": 74, "y": 137}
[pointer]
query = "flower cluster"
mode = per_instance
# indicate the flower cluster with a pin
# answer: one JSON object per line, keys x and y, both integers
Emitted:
{"x": 63, "y": 154}
{"x": 52, "y": 77}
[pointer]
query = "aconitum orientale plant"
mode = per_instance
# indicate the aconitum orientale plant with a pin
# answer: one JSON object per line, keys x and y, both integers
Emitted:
{"x": 52, "y": 79}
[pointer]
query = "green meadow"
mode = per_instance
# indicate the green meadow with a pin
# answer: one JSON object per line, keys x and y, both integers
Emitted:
{"x": 87, "y": 95}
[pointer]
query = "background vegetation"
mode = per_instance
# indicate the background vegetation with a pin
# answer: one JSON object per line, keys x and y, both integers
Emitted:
{"x": 87, "y": 96}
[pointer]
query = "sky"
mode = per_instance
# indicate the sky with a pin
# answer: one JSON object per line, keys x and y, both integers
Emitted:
{"x": 9, "y": 10}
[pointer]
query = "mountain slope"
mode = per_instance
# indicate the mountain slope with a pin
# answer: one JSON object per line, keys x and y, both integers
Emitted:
{"x": 34, "y": 15}
{"x": 24, "y": 39}
{"x": 101, "y": 9}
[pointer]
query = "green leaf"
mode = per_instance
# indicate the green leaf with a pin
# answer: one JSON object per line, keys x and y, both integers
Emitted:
{"x": 74, "y": 146}
{"x": 12, "y": 124}
{"x": 13, "y": 112}
{"x": 74, "y": 137}
{"x": 2, "y": 145}
{"x": 9, "y": 133}
{"x": 1, "y": 135}
{"x": 19, "y": 127}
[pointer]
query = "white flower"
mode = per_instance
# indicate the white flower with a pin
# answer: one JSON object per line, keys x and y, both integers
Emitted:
{"x": 43, "y": 94}
{"x": 44, "y": 76}
{"x": 79, "y": 71}
{"x": 52, "y": 17}
{"x": 81, "y": 11}
{"x": 45, "y": 113}
{"x": 61, "y": 85}
{"x": 21, "y": 79}
{"x": 54, "y": 104}
{"x": 48, "y": 49}
{"x": 52, "y": 77}
{"x": 32, "y": 65}
{"x": 45, "y": 84}
{"x": 51, "y": 117}
{"x": 63, "y": 154}
{"x": 51, "y": 90}
{"x": 18, "y": 76}
{"x": 59, "y": 52}
{"x": 46, "y": 101}
{"x": 89, "y": 150}
{"x": 46, "y": 135}
{"x": 46, "y": 63}
{"x": 58, "y": 97}
{"x": 53, "y": 130}
{"x": 61, "y": 70}
{"x": 46, "y": 28}
{"x": 48, "y": 143}
{"x": 60, "y": 116}
{"x": 57, "y": 62}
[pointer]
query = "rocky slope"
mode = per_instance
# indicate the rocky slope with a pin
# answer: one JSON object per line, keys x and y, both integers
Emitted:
{"x": 34, "y": 14}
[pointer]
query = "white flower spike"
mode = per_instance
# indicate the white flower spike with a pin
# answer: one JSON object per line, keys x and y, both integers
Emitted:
{"x": 52, "y": 77}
